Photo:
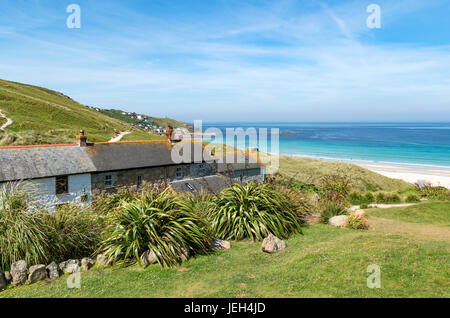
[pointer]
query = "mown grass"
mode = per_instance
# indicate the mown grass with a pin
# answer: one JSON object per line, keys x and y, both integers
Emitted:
{"x": 323, "y": 262}
{"x": 43, "y": 116}
{"x": 311, "y": 171}
{"x": 425, "y": 213}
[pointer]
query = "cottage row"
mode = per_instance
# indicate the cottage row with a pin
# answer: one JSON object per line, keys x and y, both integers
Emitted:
{"x": 58, "y": 174}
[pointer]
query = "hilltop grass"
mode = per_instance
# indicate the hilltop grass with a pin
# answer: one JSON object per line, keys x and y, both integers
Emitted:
{"x": 44, "y": 116}
{"x": 425, "y": 213}
{"x": 311, "y": 171}
{"x": 324, "y": 262}
{"x": 163, "y": 122}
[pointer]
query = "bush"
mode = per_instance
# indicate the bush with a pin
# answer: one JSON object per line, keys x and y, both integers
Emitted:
{"x": 357, "y": 221}
{"x": 105, "y": 203}
{"x": 433, "y": 193}
{"x": 364, "y": 206}
{"x": 329, "y": 209}
{"x": 155, "y": 222}
{"x": 253, "y": 211}
{"x": 75, "y": 232}
{"x": 381, "y": 198}
{"x": 412, "y": 198}
{"x": 393, "y": 198}
{"x": 23, "y": 234}
{"x": 355, "y": 198}
{"x": 369, "y": 198}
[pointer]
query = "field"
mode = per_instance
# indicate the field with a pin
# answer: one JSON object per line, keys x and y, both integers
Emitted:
{"x": 42, "y": 116}
{"x": 411, "y": 249}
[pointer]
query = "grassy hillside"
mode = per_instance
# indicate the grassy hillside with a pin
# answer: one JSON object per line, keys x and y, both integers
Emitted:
{"x": 310, "y": 171}
{"x": 162, "y": 122}
{"x": 44, "y": 116}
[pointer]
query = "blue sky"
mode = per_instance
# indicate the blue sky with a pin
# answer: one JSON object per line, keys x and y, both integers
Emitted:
{"x": 237, "y": 60}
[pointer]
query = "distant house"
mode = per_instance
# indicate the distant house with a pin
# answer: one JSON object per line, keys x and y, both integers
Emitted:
{"x": 78, "y": 172}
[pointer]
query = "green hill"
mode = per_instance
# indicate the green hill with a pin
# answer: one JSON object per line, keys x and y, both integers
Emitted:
{"x": 43, "y": 116}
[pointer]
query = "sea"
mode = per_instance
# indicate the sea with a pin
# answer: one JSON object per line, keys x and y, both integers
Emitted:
{"x": 421, "y": 144}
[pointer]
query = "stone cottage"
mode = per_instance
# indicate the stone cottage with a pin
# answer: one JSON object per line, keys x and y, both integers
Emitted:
{"x": 58, "y": 174}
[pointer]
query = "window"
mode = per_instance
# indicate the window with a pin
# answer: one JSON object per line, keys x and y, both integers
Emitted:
{"x": 108, "y": 181}
{"x": 139, "y": 182}
{"x": 179, "y": 173}
{"x": 62, "y": 185}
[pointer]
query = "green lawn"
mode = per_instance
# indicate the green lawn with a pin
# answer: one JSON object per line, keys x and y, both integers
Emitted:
{"x": 323, "y": 262}
{"x": 428, "y": 213}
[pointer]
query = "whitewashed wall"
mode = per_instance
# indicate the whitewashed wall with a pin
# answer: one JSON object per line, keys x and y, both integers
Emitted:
{"x": 45, "y": 191}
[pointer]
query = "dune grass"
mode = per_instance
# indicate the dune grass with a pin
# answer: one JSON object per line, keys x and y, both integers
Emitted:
{"x": 323, "y": 262}
{"x": 44, "y": 116}
{"x": 311, "y": 171}
{"x": 424, "y": 213}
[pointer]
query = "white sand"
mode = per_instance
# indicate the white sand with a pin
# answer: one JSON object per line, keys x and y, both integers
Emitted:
{"x": 411, "y": 173}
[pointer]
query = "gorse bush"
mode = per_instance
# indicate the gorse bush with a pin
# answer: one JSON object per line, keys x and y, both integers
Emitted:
{"x": 155, "y": 222}
{"x": 253, "y": 211}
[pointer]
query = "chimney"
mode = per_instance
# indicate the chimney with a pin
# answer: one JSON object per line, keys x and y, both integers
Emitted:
{"x": 81, "y": 139}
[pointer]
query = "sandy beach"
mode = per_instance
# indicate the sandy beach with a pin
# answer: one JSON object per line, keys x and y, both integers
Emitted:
{"x": 411, "y": 173}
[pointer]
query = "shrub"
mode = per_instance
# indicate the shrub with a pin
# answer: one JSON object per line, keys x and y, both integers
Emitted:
{"x": 364, "y": 206}
{"x": 357, "y": 221}
{"x": 329, "y": 209}
{"x": 369, "y": 198}
{"x": 335, "y": 188}
{"x": 253, "y": 211}
{"x": 155, "y": 222}
{"x": 355, "y": 198}
{"x": 412, "y": 198}
{"x": 393, "y": 198}
{"x": 297, "y": 199}
{"x": 105, "y": 203}
{"x": 433, "y": 193}
{"x": 381, "y": 198}
{"x": 75, "y": 232}
{"x": 23, "y": 234}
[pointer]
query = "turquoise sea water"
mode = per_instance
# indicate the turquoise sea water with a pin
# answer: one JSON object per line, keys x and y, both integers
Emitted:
{"x": 412, "y": 143}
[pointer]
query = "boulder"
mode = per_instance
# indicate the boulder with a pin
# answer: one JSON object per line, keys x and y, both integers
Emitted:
{"x": 8, "y": 277}
{"x": 339, "y": 220}
{"x": 37, "y": 273}
{"x": 102, "y": 260}
{"x": 87, "y": 263}
{"x": 147, "y": 258}
{"x": 70, "y": 266}
{"x": 272, "y": 244}
{"x": 19, "y": 273}
{"x": 52, "y": 270}
{"x": 219, "y": 245}
{"x": 3, "y": 281}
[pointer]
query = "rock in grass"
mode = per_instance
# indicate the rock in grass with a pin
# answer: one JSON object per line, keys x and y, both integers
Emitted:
{"x": 273, "y": 244}
{"x": 3, "y": 281}
{"x": 338, "y": 220}
{"x": 102, "y": 260}
{"x": 219, "y": 245}
{"x": 52, "y": 270}
{"x": 87, "y": 263}
{"x": 37, "y": 273}
{"x": 19, "y": 273}
{"x": 8, "y": 277}
{"x": 147, "y": 258}
{"x": 70, "y": 266}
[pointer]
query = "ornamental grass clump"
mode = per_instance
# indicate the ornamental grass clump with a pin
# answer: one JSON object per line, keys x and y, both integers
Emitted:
{"x": 253, "y": 211}
{"x": 157, "y": 222}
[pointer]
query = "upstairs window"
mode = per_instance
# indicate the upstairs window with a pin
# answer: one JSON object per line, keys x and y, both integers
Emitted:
{"x": 108, "y": 181}
{"x": 62, "y": 185}
{"x": 179, "y": 173}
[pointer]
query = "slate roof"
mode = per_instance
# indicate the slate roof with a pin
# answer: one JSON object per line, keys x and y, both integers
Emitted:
{"x": 30, "y": 162}
{"x": 210, "y": 184}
